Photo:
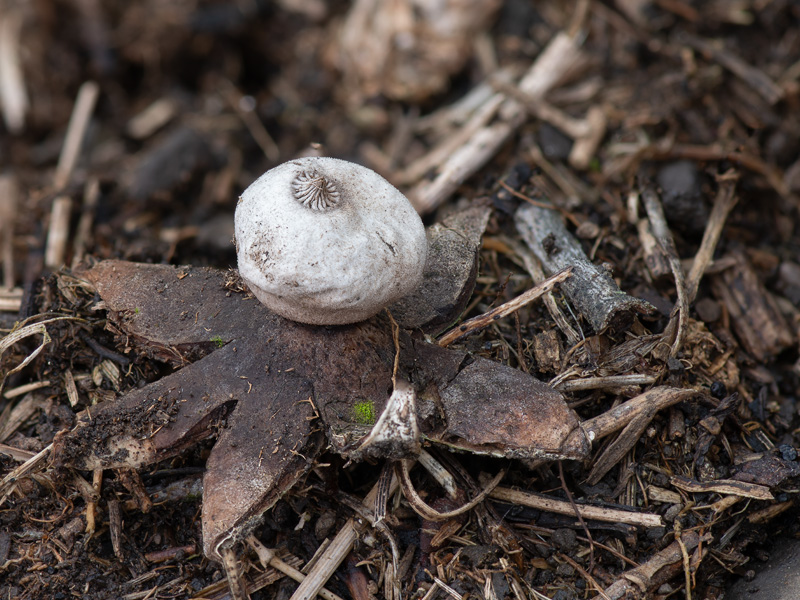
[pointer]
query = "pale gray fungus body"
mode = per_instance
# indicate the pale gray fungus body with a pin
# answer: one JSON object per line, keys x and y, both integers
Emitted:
{"x": 328, "y": 242}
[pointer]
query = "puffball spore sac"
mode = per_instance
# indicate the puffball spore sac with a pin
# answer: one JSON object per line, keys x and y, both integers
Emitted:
{"x": 328, "y": 242}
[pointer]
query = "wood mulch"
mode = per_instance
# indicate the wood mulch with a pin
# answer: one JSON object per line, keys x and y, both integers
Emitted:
{"x": 653, "y": 148}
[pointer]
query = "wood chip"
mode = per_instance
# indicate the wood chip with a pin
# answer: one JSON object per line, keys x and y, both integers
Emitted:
{"x": 723, "y": 486}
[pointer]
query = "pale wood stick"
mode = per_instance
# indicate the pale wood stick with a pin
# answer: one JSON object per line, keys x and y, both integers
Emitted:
{"x": 13, "y": 97}
{"x": 9, "y": 198}
{"x": 58, "y": 230}
{"x": 76, "y": 132}
{"x": 152, "y": 118}
{"x": 267, "y": 558}
{"x": 10, "y": 299}
{"x": 723, "y": 204}
{"x": 84, "y": 231}
{"x": 560, "y": 56}
{"x": 605, "y": 383}
{"x": 440, "y": 153}
{"x": 24, "y": 389}
{"x": 679, "y": 321}
{"x": 562, "y": 507}
{"x": 338, "y": 549}
{"x": 618, "y": 417}
{"x": 486, "y": 319}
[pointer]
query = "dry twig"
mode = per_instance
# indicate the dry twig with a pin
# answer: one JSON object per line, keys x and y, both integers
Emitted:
{"x": 676, "y": 330}
{"x": 13, "y": 96}
{"x": 723, "y": 204}
{"x": 638, "y": 582}
{"x": 336, "y": 552}
{"x": 590, "y": 289}
{"x": 58, "y": 230}
{"x": 562, "y": 55}
{"x": 561, "y": 507}
{"x": 486, "y": 319}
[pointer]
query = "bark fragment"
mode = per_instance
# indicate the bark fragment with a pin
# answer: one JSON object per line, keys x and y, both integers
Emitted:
{"x": 760, "y": 326}
{"x": 590, "y": 289}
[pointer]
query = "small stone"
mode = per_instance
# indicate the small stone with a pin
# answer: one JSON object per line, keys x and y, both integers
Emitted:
{"x": 682, "y": 195}
{"x": 672, "y": 513}
{"x": 564, "y": 539}
{"x": 787, "y": 452}
{"x": 708, "y": 310}
{"x": 565, "y": 570}
{"x": 479, "y": 556}
{"x": 718, "y": 390}
{"x": 555, "y": 145}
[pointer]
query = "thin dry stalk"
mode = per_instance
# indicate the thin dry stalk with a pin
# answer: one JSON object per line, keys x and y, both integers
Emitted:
{"x": 337, "y": 551}
{"x": 676, "y": 329}
{"x": 58, "y": 230}
{"x": 34, "y": 463}
{"x": 753, "y": 76}
{"x": 425, "y": 511}
{"x": 22, "y": 333}
{"x": 236, "y": 583}
{"x": 561, "y": 507}
{"x": 587, "y": 133}
{"x": 585, "y": 574}
{"x": 442, "y": 476}
{"x": 15, "y": 453}
{"x": 616, "y": 418}
{"x": 13, "y": 96}
{"x": 76, "y": 133}
{"x": 633, "y": 416}
{"x": 486, "y": 319}
{"x": 24, "y": 389}
{"x": 636, "y": 583}
{"x": 611, "y": 382}
{"x": 12, "y": 419}
{"x": 534, "y": 268}
{"x": 561, "y": 56}
{"x": 731, "y": 487}
{"x": 250, "y": 119}
{"x": 9, "y": 199}
{"x": 715, "y": 152}
{"x": 267, "y": 558}
{"x": 152, "y": 118}
{"x": 84, "y": 232}
{"x": 10, "y": 299}
{"x": 439, "y": 154}
{"x": 723, "y": 204}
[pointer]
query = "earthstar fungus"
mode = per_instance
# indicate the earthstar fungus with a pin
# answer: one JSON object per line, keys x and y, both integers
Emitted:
{"x": 327, "y": 242}
{"x": 273, "y": 389}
